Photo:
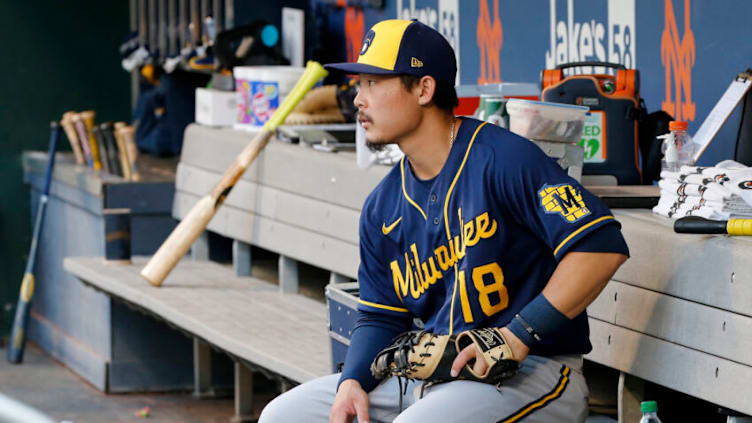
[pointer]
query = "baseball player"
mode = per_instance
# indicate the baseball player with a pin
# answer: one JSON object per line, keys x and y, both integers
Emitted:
{"x": 475, "y": 232}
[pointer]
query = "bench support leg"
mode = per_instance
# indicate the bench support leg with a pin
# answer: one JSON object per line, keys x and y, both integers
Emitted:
{"x": 733, "y": 416}
{"x": 284, "y": 386}
{"x": 335, "y": 277}
{"x": 241, "y": 258}
{"x": 630, "y": 393}
{"x": 200, "y": 247}
{"x": 288, "y": 275}
{"x": 243, "y": 395}
{"x": 202, "y": 371}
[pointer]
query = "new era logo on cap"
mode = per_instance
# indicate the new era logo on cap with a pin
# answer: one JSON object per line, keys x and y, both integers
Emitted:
{"x": 402, "y": 47}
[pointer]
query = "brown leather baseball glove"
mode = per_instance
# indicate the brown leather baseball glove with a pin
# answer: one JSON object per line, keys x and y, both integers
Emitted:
{"x": 428, "y": 357}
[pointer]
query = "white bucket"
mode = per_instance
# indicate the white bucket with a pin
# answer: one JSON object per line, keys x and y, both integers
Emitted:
{"x": 261, "y": 90}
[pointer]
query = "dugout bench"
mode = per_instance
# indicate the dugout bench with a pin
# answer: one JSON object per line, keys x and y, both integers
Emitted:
{"x": 676, "y": 313}
{"x": 303, "y": 205}
{"x": 99, "y": 339}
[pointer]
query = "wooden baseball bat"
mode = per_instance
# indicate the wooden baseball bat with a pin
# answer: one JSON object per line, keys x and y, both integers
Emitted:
{"x": 700, "y": 225}
{"x": 88, "y": 117}
{"x": 113, "y": 159}
{"x": 101, "y": 148}
{"x": 70, "y": 133}
{"x": 127, "y": 132}
{"x": 181, "y": 238}
{"x": 125, "y": 161}
{"x": 83, "y": 137}
{"x": 18, "y": 335}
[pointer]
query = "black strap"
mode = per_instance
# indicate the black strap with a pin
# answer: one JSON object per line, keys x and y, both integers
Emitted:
{"x": 529, "y": 329}
{"x": 602, "y": 64}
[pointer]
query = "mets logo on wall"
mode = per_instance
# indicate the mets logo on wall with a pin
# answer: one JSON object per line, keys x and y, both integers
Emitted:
{"x": 367, "y": 42}
{"x": 564, "y": 200}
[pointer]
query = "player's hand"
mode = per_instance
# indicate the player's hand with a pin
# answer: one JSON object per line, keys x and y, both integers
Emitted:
{"x": 519, "y": 350}
{"x": 468, "y": 353}
{"x": 351, "y": 401}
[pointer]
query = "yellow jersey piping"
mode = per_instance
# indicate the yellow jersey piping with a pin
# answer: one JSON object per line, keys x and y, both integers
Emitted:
{"x": 574, "y": 234}
{"x": 446, "y": 222}
{"x": 385, "y": 307}
{"x": 404, "y": 191}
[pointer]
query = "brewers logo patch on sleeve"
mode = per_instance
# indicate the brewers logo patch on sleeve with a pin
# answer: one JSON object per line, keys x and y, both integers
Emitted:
{"x": 564, "y": 200}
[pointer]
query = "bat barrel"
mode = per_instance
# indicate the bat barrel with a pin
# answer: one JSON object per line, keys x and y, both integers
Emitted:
{"x": 177, "y": 244}
{"x": 17, "y": 334}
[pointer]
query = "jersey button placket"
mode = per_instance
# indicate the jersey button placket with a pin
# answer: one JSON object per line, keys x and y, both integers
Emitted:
{"x": 432, "y": 206}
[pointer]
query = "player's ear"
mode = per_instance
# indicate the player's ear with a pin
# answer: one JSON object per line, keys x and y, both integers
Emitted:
{"x": 427, "y": 88}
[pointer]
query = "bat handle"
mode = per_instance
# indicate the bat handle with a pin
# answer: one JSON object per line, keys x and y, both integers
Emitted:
{"x": 699, "y": 225}
{"x": 54, "y": 135}
{"x": 739, "y": 227}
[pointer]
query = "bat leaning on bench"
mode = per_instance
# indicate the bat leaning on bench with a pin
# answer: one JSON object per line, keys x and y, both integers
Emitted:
{"x": 18, "y": 331}
{"x": 181, "y": 238}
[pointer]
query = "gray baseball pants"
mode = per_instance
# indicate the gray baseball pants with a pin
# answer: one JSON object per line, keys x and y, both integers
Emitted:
{"x": 546, "y": 389}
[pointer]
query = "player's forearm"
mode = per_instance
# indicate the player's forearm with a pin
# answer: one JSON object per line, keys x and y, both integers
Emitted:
{"x": 372, "y": 332}
{"x": 579, "y": 278}
{"x": 576, "y": 282}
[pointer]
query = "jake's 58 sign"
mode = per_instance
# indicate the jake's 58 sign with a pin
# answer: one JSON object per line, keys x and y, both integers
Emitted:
{"x": 582, "y": 35}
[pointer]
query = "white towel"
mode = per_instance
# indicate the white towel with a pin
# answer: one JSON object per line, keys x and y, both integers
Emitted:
{"x": 665, "y": 174}
{"x": 686, "y": 210}
{"x": 740, "y": 183}
{"x": 716, "y": 192}
{"x": 712, "y": 191}
{"x": 724, "y": 206}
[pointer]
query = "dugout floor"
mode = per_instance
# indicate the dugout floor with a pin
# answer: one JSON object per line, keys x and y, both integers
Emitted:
{"x": 52, "y": 388}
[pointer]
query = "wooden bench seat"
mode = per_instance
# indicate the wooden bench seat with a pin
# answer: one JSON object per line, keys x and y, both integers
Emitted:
{"x": 285, "y": 334}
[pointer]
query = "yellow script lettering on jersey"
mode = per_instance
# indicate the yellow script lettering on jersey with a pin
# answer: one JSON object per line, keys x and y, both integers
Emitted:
{"x": 418, "y": 276}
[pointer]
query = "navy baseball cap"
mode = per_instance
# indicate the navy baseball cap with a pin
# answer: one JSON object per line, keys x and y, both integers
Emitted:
{"x": 402, "y": 47}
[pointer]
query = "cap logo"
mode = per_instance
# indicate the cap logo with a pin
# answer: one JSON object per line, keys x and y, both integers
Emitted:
{"x": 415, "y": 63}
{"x": 367, "y": 42}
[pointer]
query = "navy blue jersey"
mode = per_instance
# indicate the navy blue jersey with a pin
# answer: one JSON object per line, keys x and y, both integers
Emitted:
{"x": 474, "y": 245}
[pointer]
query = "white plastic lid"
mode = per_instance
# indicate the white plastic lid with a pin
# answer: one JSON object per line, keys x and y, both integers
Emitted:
{"x": 560, "y": 110}
{"x": 267, "y": 73}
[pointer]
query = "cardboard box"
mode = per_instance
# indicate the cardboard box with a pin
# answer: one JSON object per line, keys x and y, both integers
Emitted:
{"x": 216, "y": 108}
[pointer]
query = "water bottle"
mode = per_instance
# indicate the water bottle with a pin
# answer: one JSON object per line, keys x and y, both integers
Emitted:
{"x": 677, "y": 148}
{"x": 649, "y": 412}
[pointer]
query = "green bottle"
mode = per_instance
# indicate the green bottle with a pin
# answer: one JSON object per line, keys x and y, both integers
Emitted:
{"x": 649, "y": 412}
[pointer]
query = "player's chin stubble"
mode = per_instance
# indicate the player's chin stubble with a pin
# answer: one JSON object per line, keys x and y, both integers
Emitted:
{"x": 375, "y": 145}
